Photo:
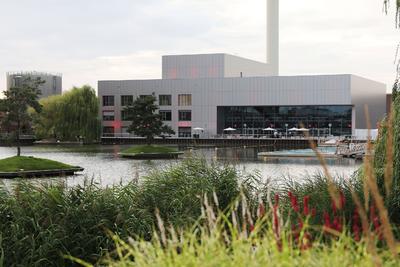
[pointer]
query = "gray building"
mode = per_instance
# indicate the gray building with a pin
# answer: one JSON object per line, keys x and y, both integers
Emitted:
{"x": 213, "y": 92}
{"x": 52, "y": 82}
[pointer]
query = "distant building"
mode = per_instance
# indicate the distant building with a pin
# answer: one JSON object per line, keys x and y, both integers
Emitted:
{"x": 52, "y": 82}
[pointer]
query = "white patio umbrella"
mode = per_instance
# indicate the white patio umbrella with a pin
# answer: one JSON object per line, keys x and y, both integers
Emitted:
{"x": 229, "y": 129}
{"x": 269, "y": 129}
{"x": 303, "y": 130}
{"x": 198, "y": 129}
{"x": 293, "y": 129}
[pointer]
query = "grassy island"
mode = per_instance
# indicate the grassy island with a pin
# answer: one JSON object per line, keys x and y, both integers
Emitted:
{"x": 21, "y": 166}
{"x": 150, "y": 151}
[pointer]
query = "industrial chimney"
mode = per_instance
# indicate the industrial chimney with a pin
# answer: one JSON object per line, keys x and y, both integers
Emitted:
{"x": 273, "y": 36}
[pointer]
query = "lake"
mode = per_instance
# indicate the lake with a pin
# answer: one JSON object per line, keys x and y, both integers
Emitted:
{"x": 103, "y": 165}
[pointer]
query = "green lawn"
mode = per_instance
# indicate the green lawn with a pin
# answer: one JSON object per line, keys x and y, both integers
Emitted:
{"x": 30, "y": 164}
{"x": 149, "y": 149}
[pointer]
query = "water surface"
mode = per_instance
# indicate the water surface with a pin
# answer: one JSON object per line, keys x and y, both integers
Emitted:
{"x": 103, "y": 165}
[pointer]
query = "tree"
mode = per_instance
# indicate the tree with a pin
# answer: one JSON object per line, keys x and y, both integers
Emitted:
{"x": 15, "y": 106}
{"x": 145, "y": 121}
{"x": 72, "y": 115}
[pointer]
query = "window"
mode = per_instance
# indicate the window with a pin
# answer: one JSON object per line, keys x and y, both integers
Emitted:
{"x": 185, "y": 100}
{"x": 108, "y": 100}
{"x": 185, "y": 132}
{"x": 166, "y": 115}
{"x": 125, "y": 116}
{"x": 126, "y": 100}
{"x": 165, "y": 100}
{"x": 108, "y": 116}
{"x": 185, "y": 115}
{"x": 108, "y": 131}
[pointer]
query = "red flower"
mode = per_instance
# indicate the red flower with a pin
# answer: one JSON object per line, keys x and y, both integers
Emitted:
{"x": 356, "y": 225}
{"x": 293, "y": 201}
{"x": 375, "y": 220}
{"x": 251, "y": 228}
{"x": 276, "y": 220}
{"x": 327, "y": 220}
{"x": 342, "y": 200}
{"x": 337, "y": 224}
{"x": 276, "y": 200}
{"x": 313, "y": 212}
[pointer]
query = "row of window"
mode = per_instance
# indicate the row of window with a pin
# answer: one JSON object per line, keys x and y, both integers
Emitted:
{"x": 163, "y": 100}
{"x": 166, "y": 115}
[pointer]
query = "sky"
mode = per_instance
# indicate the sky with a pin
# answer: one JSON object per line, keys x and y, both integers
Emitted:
{"x": 91, "y": 40}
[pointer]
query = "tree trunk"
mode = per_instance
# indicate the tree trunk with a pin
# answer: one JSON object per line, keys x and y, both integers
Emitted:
{"x": 18, "y": 135}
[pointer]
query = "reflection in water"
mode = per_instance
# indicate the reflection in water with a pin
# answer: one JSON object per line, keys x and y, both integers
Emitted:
{"x": 103, "y": 165}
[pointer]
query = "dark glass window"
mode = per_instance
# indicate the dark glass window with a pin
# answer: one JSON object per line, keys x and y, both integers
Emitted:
{"x": 185, "y": 115}
{"x": 108, "y": 116}
{"x": 165, "y": 100}
{"x": 108, "y": 100}
{"x": 126, "y": 100}
{"x": 185, "y": 132}
{"x": 320, "y": 120}
{"x": 166, "y": 115}
{"x": 125, "y": 115}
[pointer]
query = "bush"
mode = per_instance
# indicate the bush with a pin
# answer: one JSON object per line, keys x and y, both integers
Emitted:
{"x": 41, "y": 224}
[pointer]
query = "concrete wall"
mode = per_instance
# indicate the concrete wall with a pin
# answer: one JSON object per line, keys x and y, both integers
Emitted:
{"x": 370, "y": 93}
{"x": 237, "y": 67}
{"x": 212, "y": 66}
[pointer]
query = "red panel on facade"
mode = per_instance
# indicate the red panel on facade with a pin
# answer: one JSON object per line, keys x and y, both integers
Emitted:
{"x": 117, "y": 124}
{"x": 185, "y": 124}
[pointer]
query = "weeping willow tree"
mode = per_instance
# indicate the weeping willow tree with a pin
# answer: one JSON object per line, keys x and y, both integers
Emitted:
{"x": 70, "y": 117}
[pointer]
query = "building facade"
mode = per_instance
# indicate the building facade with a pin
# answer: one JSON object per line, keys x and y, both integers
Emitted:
{"x": 52, "y": 82}
{"x": 244, "y": 100}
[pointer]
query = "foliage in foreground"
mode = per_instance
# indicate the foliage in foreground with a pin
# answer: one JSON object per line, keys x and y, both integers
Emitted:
{"x": 40, "y": 224}
{"x": 30, "y": 164}
{"x": 221, "y": 243}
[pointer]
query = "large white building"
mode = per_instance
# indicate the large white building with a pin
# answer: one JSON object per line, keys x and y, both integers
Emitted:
{"x": 217, "y": 91}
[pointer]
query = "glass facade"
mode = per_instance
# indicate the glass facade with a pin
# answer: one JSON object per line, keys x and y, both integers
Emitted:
{"x": 320, "y": 120}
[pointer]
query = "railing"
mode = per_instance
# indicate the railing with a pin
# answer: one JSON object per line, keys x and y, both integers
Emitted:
{"x": 351, "y": 150}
